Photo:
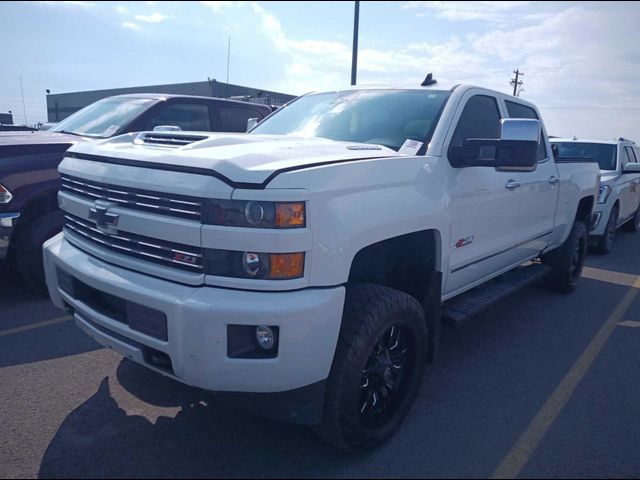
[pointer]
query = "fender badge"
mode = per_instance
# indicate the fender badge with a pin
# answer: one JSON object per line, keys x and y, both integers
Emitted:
{"x": 464, "y": 241}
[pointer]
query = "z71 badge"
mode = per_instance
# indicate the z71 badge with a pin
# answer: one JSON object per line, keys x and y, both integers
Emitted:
{"x": 464, "y": 241}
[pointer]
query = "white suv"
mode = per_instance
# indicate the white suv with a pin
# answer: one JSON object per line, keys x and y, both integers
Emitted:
{"x": 619, "y": 196}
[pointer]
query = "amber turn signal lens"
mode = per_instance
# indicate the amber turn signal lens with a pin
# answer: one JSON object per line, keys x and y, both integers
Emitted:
{"x": 290, "y": 215}
{"x": 286, "y": 265}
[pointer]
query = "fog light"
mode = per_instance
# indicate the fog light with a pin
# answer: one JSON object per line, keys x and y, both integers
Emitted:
{"x": 251, "y": 263}
{"x": 265, "y": 337}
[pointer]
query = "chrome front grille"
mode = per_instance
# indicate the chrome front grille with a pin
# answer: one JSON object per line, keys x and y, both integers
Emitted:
{"x": 185, "y": 257}
{"x": 173, "y": 205}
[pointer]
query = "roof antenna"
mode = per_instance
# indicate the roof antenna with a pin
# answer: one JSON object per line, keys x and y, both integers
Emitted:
{"x": 429, "y": 81}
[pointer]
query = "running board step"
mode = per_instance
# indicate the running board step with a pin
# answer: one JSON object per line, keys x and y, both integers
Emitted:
{"x": 468, "y": 304}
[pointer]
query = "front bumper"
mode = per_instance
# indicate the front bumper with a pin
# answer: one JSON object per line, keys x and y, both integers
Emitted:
{"x": 7, "y": 224}
{"x": 197, "y": 319}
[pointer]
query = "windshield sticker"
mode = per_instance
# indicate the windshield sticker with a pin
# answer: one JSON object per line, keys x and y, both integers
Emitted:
{"x": 410, "y": 147}
{"x": 110, "y": 131}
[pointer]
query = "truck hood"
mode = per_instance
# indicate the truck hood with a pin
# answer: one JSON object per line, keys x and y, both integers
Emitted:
{"x": 238, "y": 158}
{"x": 14, "y": 139}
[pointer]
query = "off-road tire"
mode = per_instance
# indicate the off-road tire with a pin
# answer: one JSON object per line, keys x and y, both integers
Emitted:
{"x": 369, "y": 314}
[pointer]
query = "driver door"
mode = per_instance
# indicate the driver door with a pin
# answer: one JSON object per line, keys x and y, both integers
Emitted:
{"x": 484, "y": 203}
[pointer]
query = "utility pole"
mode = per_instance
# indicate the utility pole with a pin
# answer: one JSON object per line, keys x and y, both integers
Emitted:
{"x": 228, "y": 57}
{"x": 24, "y": 109}
{"x": 515, "y": 82}
{"x": 354, "y": 55}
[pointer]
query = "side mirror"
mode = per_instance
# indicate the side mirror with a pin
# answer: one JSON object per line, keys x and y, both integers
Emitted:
{"x": 515, "y": 150}
{"x": 252, "y": 122}
{"x": 631, "y": 168}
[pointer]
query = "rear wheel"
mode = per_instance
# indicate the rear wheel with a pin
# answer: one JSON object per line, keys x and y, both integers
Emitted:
{"x": 377, "y": 369}
{"x": 567, "y": 261}
{"x": 633, "y": 225}
{"x": 605, "y": 242}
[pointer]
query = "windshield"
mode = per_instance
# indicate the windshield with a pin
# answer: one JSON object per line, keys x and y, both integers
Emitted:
{"x": 604, "y": 154}
{"x": 103, "y": 118}
{"x": 383, "y": 117}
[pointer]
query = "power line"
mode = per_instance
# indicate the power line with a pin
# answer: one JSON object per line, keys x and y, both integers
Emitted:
{"x": 515, "y": 82}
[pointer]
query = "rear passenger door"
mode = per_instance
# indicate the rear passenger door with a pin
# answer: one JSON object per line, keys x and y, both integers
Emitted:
{"x": 539, "y": 191}
{"x": 483, "y": 204}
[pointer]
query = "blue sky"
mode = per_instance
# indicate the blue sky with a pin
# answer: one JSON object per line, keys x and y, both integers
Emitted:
{"x": 581, "y": 59}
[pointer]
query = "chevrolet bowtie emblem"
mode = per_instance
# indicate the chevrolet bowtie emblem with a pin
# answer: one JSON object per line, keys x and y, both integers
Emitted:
{"x": 105, "y": 221}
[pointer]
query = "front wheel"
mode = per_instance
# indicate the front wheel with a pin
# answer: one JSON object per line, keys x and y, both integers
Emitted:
{"x": 567, "y": 261}
{"x": 377, "y": 369}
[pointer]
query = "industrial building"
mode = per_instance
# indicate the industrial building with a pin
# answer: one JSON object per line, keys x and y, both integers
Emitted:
{"x": 61, "y": 105}
{"x": 6, "y": 118}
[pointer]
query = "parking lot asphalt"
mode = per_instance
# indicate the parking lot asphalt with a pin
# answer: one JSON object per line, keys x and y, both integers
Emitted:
{"x": 539, "y": 385}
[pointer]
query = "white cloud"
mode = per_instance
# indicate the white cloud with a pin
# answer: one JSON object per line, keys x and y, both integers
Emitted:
{"x": 580, "y": 61}
{"x": 121, "y": 10}
{"x": 155, "y": 17}
{"x": 131, "y": 25}
{"x": 467, "y": 10}
{"x": 71, "y": 3}
{"x": 218, "y": 6}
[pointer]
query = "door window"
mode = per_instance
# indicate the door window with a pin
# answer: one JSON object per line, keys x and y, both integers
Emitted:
{"x": 624, "y": 158}
{"x": 631, "y": 154}
{"x": 187, "y": 116}
{"x": 480, "y": 118}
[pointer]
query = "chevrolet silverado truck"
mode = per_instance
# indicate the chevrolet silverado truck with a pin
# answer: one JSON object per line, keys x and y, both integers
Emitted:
{"x": 303, "y": 269}
{"x": 618, "y": 202}
{"x": 29, "y": 179}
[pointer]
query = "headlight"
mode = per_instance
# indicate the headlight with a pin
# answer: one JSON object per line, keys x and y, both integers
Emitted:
{"x": 241, "y": 213}
{"x": 263, "y": 266}
{"x": 5, "y": 195}
{"x": 603, "y": 194}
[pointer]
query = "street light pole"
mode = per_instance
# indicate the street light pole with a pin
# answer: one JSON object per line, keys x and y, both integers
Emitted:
{"x": 354, "y": 55}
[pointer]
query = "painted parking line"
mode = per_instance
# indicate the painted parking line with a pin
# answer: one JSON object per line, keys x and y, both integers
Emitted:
{"x": 520, "y": 453}
{"x": 33, "y": 326}
{"x": 629, "y": 323}
{"x": 609, "y": 276}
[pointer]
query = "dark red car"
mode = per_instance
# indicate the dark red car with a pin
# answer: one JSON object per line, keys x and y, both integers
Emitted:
{"x": 29, "y": 179}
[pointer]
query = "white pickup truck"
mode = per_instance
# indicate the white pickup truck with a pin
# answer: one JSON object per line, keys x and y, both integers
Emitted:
{"x": 304, "y": 268}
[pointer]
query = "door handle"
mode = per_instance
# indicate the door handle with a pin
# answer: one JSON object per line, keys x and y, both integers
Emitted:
{"x": 512, "y": 184}
{"x": 553, "y": 179}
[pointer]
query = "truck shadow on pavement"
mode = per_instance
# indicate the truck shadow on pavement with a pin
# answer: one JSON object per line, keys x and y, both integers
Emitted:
{"x": 204, "y": 439}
